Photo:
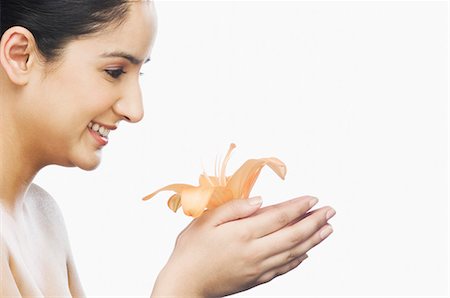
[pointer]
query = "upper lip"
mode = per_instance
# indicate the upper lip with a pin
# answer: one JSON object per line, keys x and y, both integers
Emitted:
{"x": 110, "y": 127}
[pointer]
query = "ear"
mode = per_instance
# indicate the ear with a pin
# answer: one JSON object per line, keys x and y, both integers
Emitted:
{"x": 17, "y": 54}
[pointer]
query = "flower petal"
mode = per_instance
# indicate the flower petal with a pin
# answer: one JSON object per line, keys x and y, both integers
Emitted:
{"x": 206, "y": 180}
{"x": 195, "y": 199}
{"x": 242, "y": 181}
{"x": 174, "y": 202}
{"x": 178, "y": 188}
{"x": 277, "y": 166}
{"x": 219, "y": 196}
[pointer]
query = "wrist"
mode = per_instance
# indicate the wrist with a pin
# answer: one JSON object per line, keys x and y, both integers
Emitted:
{"x": 170, "y": 284}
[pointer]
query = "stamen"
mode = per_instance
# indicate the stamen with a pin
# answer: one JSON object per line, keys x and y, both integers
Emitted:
{"x": 224, "y": 165}
{"x": 207, "y": 178}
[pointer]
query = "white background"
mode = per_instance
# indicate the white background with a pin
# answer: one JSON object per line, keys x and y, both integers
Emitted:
{"x": 352, "y": 96}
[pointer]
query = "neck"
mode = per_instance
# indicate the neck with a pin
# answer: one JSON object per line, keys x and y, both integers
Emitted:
{"x": 17, "y": 166}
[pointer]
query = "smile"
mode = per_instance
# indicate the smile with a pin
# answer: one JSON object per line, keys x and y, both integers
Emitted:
{"x": 99, "y": 129}
{"x": 99, "y": 132}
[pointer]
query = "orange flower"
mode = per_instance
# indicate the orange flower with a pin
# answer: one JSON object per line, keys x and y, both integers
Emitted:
{"x": 216, "y": 190}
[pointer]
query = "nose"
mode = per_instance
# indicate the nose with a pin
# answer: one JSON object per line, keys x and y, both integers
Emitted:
{"x": 130, "y": 106}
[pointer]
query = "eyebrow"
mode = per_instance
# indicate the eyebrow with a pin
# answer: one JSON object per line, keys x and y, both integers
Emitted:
{"x": 127, "y": 56}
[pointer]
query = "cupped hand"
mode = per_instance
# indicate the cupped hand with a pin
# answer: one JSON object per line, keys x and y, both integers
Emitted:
{"x": 239, "y": 245}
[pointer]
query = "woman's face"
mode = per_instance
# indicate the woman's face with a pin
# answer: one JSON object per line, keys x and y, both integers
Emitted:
{"x": 93, "y": 86}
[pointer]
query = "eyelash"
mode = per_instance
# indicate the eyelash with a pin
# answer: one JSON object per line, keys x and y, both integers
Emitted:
{"x": 115, "y": 73}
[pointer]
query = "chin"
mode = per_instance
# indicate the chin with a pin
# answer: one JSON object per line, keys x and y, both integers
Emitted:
{"x": 89, "y": 167}
{"x": 88, "y": 163}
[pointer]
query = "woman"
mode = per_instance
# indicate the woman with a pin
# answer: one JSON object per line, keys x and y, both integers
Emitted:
{"x": 69, "y": 74}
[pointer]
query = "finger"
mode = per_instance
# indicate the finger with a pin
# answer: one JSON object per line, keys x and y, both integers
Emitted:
{"x": 302, "y": 217}
{"x": 233, "y": 210}
{"x": 297, "y": 251}
{"x": 292, "y": 236}
{"x": 268, "y": 208}
{"x": 278, "y": 216}
{"x": 312, "y": 241}
{"x": 271, "y": 274}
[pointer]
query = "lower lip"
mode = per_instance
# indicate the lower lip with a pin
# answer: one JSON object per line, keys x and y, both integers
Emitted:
{"x": 101, "y": 140}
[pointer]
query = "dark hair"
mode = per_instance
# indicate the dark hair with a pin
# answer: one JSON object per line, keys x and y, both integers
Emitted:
{"x": 54, "y": 23}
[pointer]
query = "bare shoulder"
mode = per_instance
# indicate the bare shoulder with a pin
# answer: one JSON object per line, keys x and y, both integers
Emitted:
{"x": 43, "y": 203}
{"x": 45, "y": 218}
{"x": 39, "y": 197}
{"x": 8, "y": 286}
{"x": 49, "y": 216}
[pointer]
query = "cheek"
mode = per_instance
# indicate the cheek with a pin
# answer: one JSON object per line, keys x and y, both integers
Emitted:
{"x": 82, "y": 96}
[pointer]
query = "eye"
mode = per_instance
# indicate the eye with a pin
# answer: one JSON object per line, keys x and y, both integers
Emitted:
{"x": 115, "y": 73}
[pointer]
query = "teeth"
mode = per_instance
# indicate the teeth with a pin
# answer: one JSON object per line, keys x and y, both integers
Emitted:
{"x": 101, "y": 130}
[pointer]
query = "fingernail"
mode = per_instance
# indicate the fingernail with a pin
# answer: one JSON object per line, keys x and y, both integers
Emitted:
{"x": 326, "y": 232}
{"x": 255, "y": 200}
{"x": 313, "y": 202}
{"x": 304, "y": 257}
{"x": 330, "y": 213}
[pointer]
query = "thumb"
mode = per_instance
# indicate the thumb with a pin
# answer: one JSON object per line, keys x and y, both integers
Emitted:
{"x": 236, "y": 209}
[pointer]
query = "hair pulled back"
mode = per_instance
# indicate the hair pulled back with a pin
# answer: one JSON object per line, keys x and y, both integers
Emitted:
{"x": 54, "y": 23}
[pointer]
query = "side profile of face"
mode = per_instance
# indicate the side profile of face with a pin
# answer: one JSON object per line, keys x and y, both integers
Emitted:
{"x": 66, "y": 107}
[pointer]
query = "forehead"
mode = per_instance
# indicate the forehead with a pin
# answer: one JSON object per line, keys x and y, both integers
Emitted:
{"x": 135, "y": 35}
